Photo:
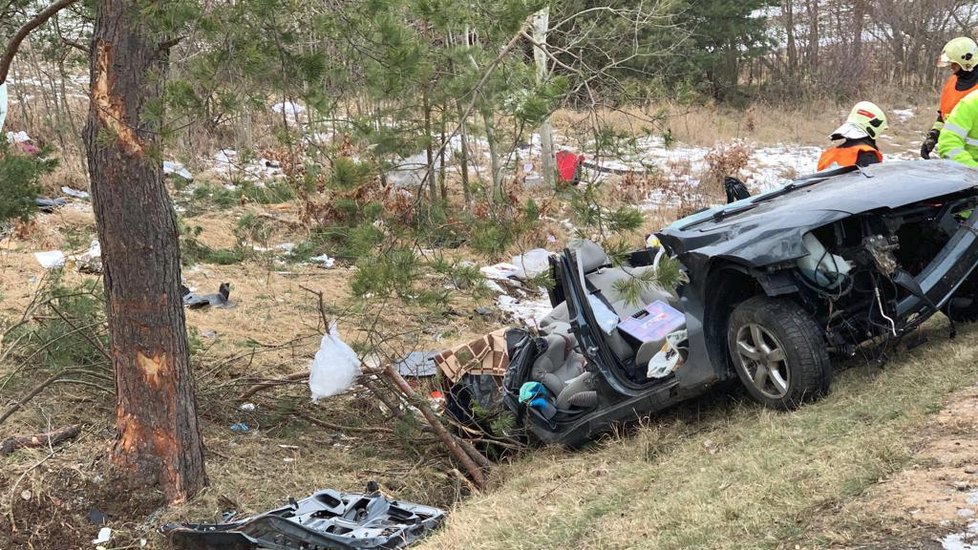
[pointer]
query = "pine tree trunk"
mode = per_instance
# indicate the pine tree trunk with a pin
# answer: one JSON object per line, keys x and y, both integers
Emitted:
{"x": 158, "y": 442}
{"x": 464, "y": 159}
{"x": 494, "y": 162}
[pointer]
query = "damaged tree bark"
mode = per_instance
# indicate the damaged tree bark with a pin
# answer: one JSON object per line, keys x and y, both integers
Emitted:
{"x": 158, "y": 442}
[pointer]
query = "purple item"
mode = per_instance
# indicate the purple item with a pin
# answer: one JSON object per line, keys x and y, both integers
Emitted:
{"x": 653, "y": 323}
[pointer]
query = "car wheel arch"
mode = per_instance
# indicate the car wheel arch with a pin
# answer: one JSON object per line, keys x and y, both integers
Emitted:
{"x": 728, "y": 284}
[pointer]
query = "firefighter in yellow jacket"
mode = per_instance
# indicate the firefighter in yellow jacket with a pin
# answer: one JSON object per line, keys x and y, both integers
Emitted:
{"x": 865, "y": 123}
{"x": 959, "y": 138}
{"x": 961, "y": 54}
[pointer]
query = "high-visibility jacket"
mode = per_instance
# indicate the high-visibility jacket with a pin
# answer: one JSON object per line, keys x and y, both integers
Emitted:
{"x": 951, "y": 95}
{"x": 959, "y": 138}
{"x": 849, "y": 153}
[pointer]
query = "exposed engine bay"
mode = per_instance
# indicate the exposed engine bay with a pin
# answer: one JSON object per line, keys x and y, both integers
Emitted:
{"x": 859, "y": 269}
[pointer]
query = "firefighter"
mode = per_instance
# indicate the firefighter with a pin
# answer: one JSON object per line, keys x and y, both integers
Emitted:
{"x": 961, "y": 54}
{"x": 958, "y": 140}
{"x": 865, "y": 123}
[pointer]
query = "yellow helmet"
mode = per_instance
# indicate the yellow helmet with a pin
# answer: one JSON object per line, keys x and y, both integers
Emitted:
{"x": 865, "y": 119}
{"x": 961, "y": 51}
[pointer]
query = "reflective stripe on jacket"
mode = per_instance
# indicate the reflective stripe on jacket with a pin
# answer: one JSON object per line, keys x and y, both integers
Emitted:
{"x": 951, "y": 95}
{"x": 839, "y": 157}
{"x": 959, "y": 138}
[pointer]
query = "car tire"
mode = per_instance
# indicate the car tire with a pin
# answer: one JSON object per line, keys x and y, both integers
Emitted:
{"x": 779, "y": 352}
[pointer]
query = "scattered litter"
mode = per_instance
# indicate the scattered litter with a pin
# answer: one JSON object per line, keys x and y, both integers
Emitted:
{"x": 89, "y": 261}
{"x": 500, "y": 271}
{"x": 484, "y": 311}
{"x": 96, "y": 517}
{"x": 178, "y": 169}
{"x": 196, "y": 301}
{"x": 335, "y": 367}
{"x": 288, "y": 446}
{"x": 324, "y": 261}
{"x": 903, "y": 115}
{"x": 711, "y": 446}
{"x": 46, "y": 205}
{"x": 327, "y": 519}
{"x": 51, "y": 259}
{"x": 668, "y": 358}
{"x": 240, "y": 427}
{"x": 247, "y": 407}
{"x": 417, "y": 364}
{"x": 104, "y": 534}
{"x": 26, "y": 495}
{"x": 487, "y": 355}
{"x": 18, "y": 137}
{"x": 209, "y": 334}
{"x": 75, "y": 193}
{"x": 437, "y": 400}
{"x": 532, "y": 263}
{"x": 527, "y": 310}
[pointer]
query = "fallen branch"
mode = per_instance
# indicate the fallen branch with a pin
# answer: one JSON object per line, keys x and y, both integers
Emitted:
{"x": 337, "y": 427}
{"x": 272, "y": 383}
{"x": 40, "y": 387}
{"x": 454, "y": 446}
{"x": 47, "y": 439}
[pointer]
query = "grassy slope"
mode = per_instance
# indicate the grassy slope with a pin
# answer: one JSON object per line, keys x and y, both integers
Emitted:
{"x": 725, "y": 473}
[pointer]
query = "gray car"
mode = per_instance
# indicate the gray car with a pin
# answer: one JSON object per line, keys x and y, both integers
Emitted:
{"x": 830, "y": 265}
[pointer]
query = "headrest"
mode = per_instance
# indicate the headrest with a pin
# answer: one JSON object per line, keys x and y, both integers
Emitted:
{"x": 590, "y": 254}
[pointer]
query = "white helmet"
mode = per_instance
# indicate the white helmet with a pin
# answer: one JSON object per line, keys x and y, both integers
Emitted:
{"x": 961, "y": 51}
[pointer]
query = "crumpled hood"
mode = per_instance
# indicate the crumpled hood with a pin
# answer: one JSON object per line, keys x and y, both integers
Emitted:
{"x": 768, "y": 228}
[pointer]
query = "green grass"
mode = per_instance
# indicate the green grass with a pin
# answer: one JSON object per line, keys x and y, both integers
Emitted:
{"x": 774, "y": 482}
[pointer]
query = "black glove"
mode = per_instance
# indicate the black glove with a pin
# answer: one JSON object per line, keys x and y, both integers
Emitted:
{"x": 930, "y": 142}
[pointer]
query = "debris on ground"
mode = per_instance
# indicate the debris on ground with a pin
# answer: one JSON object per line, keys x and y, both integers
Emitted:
{"x": 240, "y": 427}
{"x": 324, "y": 261}
{"x": 75, "y": 193}
{"x": 335, "y": 367}
{"x": 104, "y": 535}
{"x": 50, "y": 259}
{"x": 52, "y": 438}
{"x": 192, "y": 300}
{"x": 48, "y": 205}
{"x": 177, "y": 169}
{"x": 483, "y": 356}
{"x": 417, "y": 364}
{"x": 327, "y": 519}
{"x": 89, "y": 261}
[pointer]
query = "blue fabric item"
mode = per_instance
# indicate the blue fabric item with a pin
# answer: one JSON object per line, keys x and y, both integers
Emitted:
{"x": 529, "y": 390}
{"x": 544, "y": 406}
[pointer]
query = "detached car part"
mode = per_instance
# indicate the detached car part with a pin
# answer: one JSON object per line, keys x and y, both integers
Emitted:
{"x": 327, "y": 520}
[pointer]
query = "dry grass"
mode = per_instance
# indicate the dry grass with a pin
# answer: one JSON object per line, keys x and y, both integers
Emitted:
{"x": 706, "y": 124}
{"x": 721, "y": 473}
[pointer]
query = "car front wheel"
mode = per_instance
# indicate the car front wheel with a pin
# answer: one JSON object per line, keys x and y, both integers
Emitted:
{"x": 779, "y": 352}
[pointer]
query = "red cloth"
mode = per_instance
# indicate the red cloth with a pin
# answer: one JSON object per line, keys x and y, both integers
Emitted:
{"x": 567, "y": 166}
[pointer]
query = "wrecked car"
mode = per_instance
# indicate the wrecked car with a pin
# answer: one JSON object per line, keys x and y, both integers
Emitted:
{"x": 776, "y": 287}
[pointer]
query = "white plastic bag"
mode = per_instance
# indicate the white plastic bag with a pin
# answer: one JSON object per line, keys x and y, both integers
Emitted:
{"x": 335, "y": 367}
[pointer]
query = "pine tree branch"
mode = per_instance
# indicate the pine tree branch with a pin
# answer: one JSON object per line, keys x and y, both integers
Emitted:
{"x": 35, "y": 22}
